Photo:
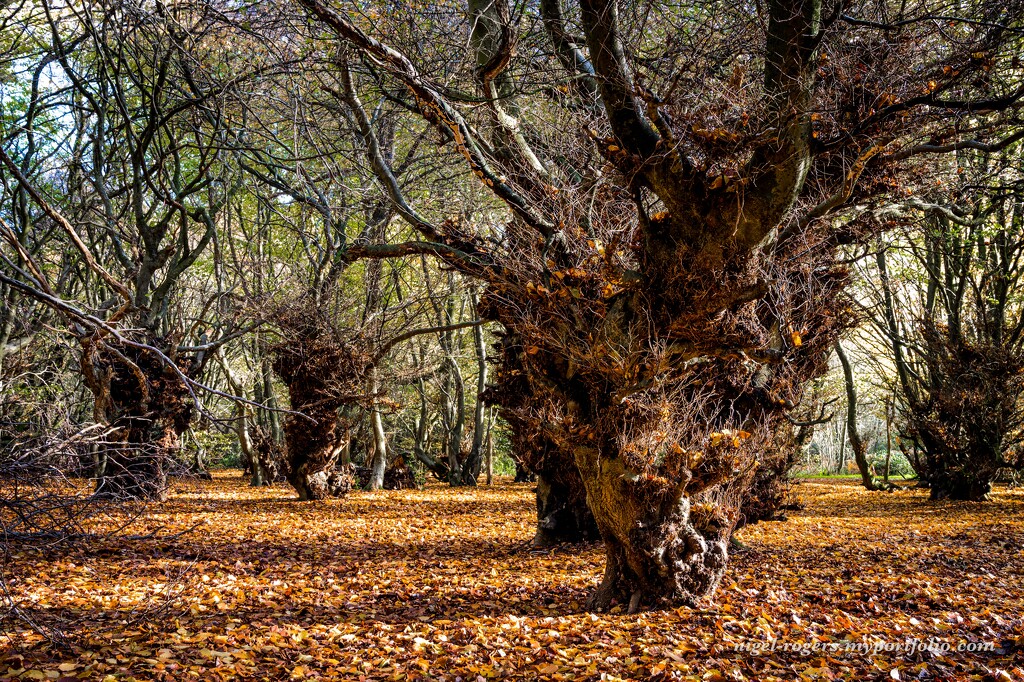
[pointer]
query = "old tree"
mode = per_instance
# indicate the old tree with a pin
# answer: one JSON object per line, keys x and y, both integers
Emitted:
{"x": 657, "y": 203}
{"x": 679, "y": 183}
{"x": 136, "y": 203}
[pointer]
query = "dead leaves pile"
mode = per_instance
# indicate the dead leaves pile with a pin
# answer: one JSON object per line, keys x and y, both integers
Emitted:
{"x": 441, "y": 584}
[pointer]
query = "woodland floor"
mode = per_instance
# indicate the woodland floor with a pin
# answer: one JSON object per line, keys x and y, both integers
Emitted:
{"x": 441, "y": 584}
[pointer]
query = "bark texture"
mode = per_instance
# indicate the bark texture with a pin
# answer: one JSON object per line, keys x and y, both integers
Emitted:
{"x": 149, "y": 408}
{"x": 323, "y": 372}
{"x": 562, "y": 512}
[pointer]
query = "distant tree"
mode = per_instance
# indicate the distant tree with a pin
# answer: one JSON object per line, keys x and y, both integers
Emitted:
{"x": 950, "y": 304}
{"x": 857, "y": 444}
{"x": 136, "y": 94}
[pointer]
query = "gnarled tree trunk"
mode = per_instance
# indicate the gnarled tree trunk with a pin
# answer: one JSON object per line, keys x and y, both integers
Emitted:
{"x": 661, "y": 546}
{"x": 322, "y": 373}
{"x": 962, "y": 423}
{"x": 148, "y": 407}
{"x": 562, "y": 512}
{"x": 313, "y": 449}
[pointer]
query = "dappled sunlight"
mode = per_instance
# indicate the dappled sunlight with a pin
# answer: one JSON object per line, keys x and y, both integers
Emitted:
{"x": 442, "y": 583}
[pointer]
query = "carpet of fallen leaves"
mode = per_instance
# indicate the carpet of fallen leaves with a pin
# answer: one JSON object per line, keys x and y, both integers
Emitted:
{"x": 441, "y": 584}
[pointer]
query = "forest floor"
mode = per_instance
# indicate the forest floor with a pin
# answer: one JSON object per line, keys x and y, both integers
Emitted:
{"x": 442, "y": 584}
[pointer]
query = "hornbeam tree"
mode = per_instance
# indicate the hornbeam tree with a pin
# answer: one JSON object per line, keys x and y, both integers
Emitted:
{"x": 562, "y": 512}
{"x": 325, "y": 367}
{"x": 677, "y": 180}
{"x": 141, "y": 137}
{"x": 953, "y": 323}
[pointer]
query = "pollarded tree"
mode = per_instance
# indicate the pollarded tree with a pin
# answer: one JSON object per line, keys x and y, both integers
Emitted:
{"x": 562, "y": 511}
{"x": 673, "y": 184}
{"x": 950, "y": 306}
{"x": 136, "y": 93}
{"x": 323, "y": 371}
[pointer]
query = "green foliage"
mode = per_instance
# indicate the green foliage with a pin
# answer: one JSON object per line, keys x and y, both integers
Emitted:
{"x": 899, "y": 465}
{"x": 220, "y": 450}
{"x": 503, "y": 463}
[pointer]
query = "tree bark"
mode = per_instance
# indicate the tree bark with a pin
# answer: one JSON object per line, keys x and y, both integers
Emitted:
{"x": 258, "y": 476}
{"x": 856, "y": 442}
{"x": 490, "y": 445}
{"x": 379, "y": 463}
{"x": 322, "y": 374}
{"x": 562, "y": 512}
{"x": 273, "y": 417}
{"x": 661, "y": 546}
{"x": 149, "y": 408}
{"x": 963, "y": 486}
{"x": 471, "y": 468}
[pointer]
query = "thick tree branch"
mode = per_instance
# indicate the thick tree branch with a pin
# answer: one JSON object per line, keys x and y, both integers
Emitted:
{"x": 615, "y": 83}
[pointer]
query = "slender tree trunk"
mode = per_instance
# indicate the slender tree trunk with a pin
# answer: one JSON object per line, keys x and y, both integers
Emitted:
{"x": 841, "y": 456}
{"x": 276, "y": 431}
{"x": 9, "y": 299}
{"x": 856, "y": 442}
{"x": 490, "y": 447}
{"x": 888, "y": 440}
{"x": 345, "y": 458}
{"x": 471, "y": 469}
{"x": 258, "y": 477}
{"x": 439, "y": 469}
{"x": 379, "y": 462}
{"x": 456, "y": 420}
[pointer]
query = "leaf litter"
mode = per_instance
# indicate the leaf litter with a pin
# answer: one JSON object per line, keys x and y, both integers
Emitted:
{"x": 442, "y": 584}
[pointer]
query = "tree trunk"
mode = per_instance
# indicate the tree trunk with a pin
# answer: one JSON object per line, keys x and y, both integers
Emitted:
{"x": 276, "y": 431}
{"x": 661, "y": 546}
{"x": 856, "y": 442}
{"x": 963, "y": 486}
{"x": 313, "y": 450}
{"x": 380, "y": 445}
{"x": 956, "y": 475}
{"x": 490, "y": 446}
{"x": 888, "y": 440}
{"x": 562, "y": 512}
{"x": 523, "y": 474}
{"x": 971, "y": 407}
{"x": 455, "y": 421}
{"x": 313, "y": 457}
{"x": 422, "y": 435}
{"x": 769, "y": 491}
{"x": 149, "y": 409}
{"x": 321, "y": 373}
{"x": 258, "y": 477}
{"x": 471, "y": 468}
